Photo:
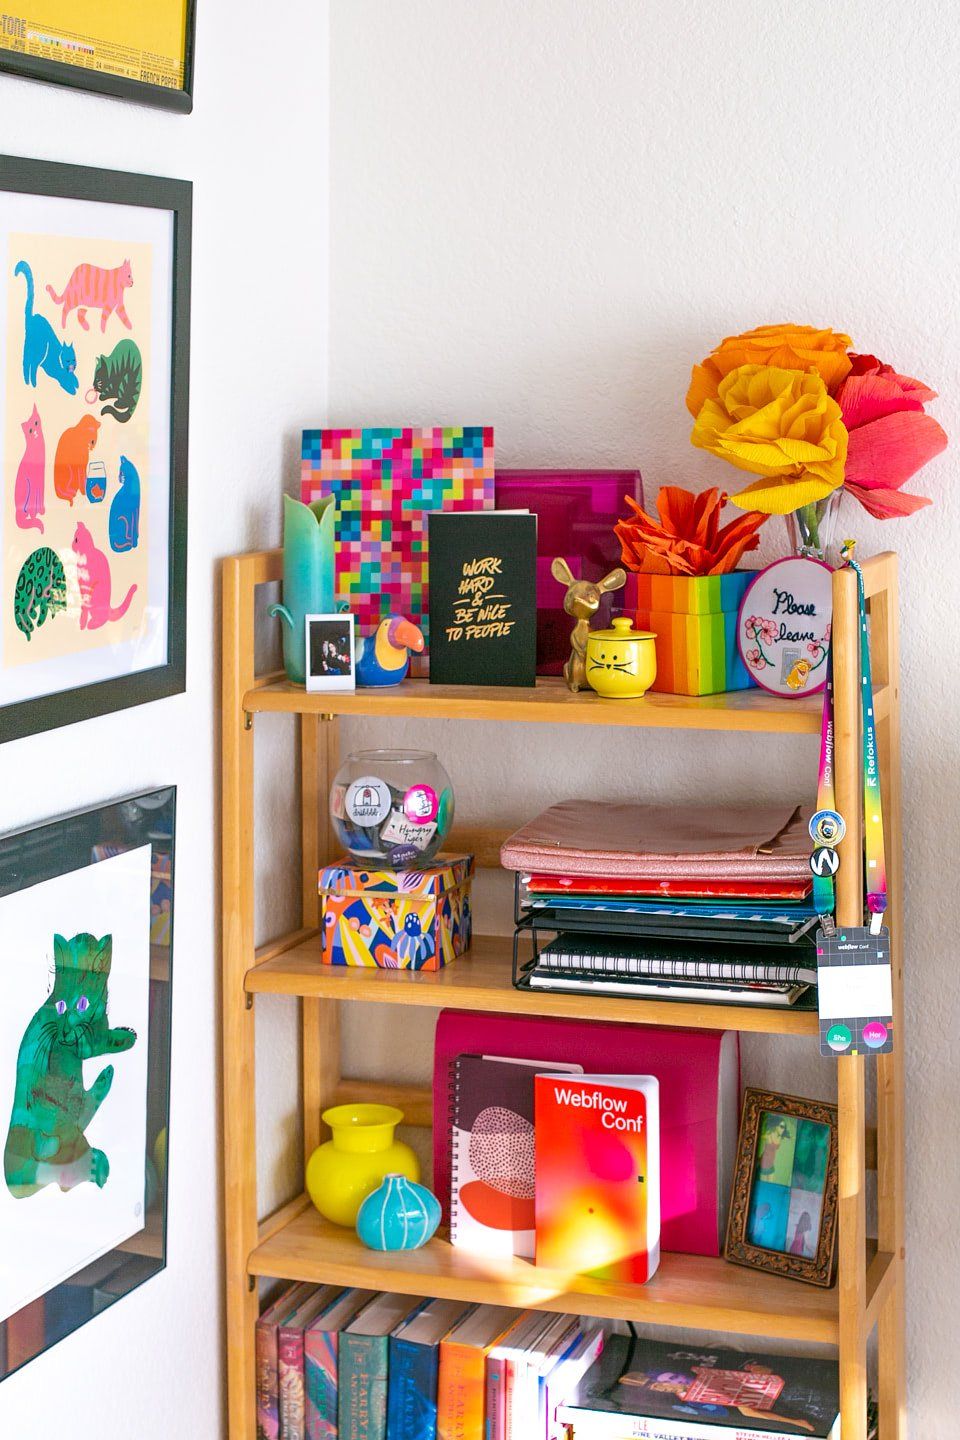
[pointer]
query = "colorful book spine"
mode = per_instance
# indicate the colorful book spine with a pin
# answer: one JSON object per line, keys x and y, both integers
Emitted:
{"x": 362, "y": 1405}
{"x": 494, "y": 1403}
{"x": 412, "y": 1390}
{"x": 461, "y": 1392}
{"x": 320, "y": 1357}
{"x": 290, "y": 1380}
{"x": 564, "y": 1377}
{"x": 266, "y": 1351}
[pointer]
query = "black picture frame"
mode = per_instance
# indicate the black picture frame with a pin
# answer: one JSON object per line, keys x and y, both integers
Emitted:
{"x": 116, "y": 187}
{"x": 79, "y": 77}
{"x": 74, "y": 843}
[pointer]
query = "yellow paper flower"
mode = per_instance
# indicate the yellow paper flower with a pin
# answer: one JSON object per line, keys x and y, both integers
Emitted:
{"x": 778, "y": 424}
{"x": 789, "y": 347}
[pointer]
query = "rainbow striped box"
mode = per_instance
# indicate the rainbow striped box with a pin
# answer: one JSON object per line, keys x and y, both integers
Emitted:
{"x": 695, "y": 621}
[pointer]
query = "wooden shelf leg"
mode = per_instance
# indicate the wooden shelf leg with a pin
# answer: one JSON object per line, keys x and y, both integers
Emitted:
{"x": 239, "y": 1105}
{"x": 852, "y": 1281}
{"x": 884, "y": 634}
{"x": 319, "y": 761}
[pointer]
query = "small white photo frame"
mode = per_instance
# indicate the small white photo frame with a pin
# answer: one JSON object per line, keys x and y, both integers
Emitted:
{"x": 331, "y": 663}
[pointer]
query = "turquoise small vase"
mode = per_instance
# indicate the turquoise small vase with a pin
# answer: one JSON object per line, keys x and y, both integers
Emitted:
{"x": 308, "y": 576}
{"x": 400, "y": 1215}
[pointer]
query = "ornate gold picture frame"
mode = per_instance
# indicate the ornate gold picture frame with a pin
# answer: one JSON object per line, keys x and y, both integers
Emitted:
{"x": 783, "y": 1212}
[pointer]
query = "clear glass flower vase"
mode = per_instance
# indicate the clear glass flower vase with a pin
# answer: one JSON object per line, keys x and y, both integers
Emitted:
{"x": 812, "y": 530}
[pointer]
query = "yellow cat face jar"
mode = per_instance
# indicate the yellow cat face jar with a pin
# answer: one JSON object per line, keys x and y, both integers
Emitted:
{"x": 621, "y": 661}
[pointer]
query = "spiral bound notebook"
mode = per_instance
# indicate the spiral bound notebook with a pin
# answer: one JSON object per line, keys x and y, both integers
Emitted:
{"x": 492, "y": 1154}
{"x": 592, "y": 954}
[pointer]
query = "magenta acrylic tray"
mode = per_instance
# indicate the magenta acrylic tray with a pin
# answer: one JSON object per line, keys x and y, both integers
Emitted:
{"x": 576, "y": 511}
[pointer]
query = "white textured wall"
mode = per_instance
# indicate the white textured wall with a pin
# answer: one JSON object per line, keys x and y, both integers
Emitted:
{"x": 256, "y": 148}
{"x": 542, "y": 214}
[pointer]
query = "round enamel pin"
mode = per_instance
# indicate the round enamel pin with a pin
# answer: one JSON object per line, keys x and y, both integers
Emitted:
{"x": 824, "y": 861}
{"x": 367, "y": 801}
{"x": 827, "y": 827}
{"x": 421, "y": 804}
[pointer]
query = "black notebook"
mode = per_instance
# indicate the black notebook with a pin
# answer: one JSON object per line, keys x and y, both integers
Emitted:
{"x": 483, "y": 602}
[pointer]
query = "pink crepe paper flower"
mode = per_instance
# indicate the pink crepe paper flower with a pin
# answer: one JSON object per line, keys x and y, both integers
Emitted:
{"x": 891, "y": 436}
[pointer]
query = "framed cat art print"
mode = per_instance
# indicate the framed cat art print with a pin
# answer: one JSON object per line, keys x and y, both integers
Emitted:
{"x": 86, "y": 916}
{"x": 94, "y": 353}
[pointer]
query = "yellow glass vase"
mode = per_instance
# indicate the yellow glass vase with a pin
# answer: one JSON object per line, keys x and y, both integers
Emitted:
{"x": 355, "y": 1162}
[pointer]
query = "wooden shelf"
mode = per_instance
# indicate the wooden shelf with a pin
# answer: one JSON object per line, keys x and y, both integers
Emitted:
{"x": 481, "y": 980}
{"x": 550, "y": 703}
{"x": 687, "y": 1290}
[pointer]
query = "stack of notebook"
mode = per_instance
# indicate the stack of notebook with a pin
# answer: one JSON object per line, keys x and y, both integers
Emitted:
{"x": 676, "y": 902}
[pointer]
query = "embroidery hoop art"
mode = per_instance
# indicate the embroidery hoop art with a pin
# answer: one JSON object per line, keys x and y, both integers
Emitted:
{"x": 756, "y": 589}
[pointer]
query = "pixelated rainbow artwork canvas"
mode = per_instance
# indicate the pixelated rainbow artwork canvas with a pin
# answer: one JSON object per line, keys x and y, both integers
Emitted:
{"x": 386, "y": 481}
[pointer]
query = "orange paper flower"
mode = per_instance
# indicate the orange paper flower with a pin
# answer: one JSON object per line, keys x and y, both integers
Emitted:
{"x": 688, "y": 540}
{"x": 778, "y": 424}
{"x": 786, "y": 347}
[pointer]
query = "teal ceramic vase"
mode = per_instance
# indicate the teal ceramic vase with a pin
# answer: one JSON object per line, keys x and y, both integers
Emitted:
{"x": 400, "y": 1215}
{"x": 308, "y": 576}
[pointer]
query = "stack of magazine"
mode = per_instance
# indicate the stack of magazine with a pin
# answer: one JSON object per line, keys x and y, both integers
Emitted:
{"x": 694, "y": 1391}
{"x": 670, "y": 902}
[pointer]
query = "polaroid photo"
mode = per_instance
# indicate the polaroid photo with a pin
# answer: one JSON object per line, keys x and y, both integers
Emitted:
{"x": 331, "y": 664}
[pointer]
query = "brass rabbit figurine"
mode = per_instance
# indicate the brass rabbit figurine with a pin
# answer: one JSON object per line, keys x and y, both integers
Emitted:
{"x": 582, "y": 601}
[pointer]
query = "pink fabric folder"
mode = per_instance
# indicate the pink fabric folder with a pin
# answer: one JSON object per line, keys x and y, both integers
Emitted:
{"x": 669, "y": 842}
{"x": 699, "y": 1074}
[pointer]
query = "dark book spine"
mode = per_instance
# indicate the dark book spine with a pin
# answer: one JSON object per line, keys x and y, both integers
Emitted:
{"x": 363, "y": 1387}
{"x": 290, "y": 1383}
{"x": 412, "y": 1391}
{"x": 268, "y": 1395}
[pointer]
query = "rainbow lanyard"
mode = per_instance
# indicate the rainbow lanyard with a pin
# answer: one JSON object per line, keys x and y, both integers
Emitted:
{"x": 824, "y": 893}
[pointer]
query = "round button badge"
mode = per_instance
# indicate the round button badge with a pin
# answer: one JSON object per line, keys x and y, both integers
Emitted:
{"x": 824, "y": 861}
{"x": 367, "y": 801}
{"x": 827, "y": 827}
{"x": 421, "y": 804}
{"x": 875, "y": 1034}
{"x": 839, "y": 1038}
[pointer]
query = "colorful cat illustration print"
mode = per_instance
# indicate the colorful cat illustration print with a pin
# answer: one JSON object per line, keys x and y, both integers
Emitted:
{"x": 41, "y": 590}
{"x": 46, "y": 1144}
{"x": 28, "y": 486}
{"x": 90, "y": 287}
{"x": 70, "y": 461}
{"x": 41, "y": 348}
{"x": 118, "y": 377}
{"x": 125, "y": 509}
{"x": 93, "y": 573}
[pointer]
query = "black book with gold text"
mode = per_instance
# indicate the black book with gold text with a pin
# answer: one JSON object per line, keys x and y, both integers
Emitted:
{"x": 483, "y": 603}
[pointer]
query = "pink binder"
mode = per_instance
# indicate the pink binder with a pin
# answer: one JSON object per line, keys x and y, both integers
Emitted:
{"x": 699, "y": 1074}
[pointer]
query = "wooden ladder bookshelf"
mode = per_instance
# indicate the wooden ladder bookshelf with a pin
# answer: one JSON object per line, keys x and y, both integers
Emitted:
{"x": 687, "y": 1291}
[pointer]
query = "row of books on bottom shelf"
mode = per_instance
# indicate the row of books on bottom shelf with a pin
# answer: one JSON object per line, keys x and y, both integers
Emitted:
{"x": 359, "y": 1365}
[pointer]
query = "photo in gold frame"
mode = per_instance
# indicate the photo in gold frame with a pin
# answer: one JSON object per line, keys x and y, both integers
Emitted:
{"x": 783, "y": 1212}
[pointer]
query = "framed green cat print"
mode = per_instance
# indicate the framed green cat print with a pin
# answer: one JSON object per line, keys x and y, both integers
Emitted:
{"x": 86, "y": 916}
{"x": 94, "y": 351}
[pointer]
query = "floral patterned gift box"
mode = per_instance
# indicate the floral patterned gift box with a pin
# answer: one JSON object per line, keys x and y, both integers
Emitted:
{"x": 396, "y": 919}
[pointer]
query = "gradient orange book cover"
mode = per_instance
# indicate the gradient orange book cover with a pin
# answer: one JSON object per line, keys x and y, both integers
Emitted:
{"x": 461, "y": 1388}
{"x": 598, "y": 1175}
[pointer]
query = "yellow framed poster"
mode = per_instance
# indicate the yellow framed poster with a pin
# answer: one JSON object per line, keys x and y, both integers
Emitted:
{"x": 138, "y": 51}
